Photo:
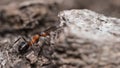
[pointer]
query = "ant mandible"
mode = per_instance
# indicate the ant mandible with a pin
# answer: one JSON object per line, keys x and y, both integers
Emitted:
{"x": 24, "y": 46}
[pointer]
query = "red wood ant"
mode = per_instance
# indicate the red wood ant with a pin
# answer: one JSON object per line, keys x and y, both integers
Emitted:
{"x": 23, "y": 46}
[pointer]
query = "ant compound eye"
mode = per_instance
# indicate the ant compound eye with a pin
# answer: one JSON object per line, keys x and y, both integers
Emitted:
{"x": 23, "y": 47}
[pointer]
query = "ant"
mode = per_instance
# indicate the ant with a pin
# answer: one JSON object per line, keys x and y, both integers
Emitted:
{"x": 24, "y": 46}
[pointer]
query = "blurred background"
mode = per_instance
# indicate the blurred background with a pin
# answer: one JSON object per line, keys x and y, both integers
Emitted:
{"x": 19, "y": 14}
{"x": 107, "y": 7}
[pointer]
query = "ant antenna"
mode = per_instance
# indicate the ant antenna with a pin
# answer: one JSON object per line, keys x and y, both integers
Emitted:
{"x": 21, "y": 37}
{"x": 24, "y": 39}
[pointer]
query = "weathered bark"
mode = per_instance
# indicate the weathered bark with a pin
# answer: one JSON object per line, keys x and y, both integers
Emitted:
{"x": 91, "y": 39}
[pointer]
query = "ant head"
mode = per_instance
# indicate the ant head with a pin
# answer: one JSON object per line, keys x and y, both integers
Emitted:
{"x": 23, "y": 47}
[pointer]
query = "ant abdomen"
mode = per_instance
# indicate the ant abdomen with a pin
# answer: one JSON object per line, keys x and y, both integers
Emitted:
{"x": 23, "y": 47}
